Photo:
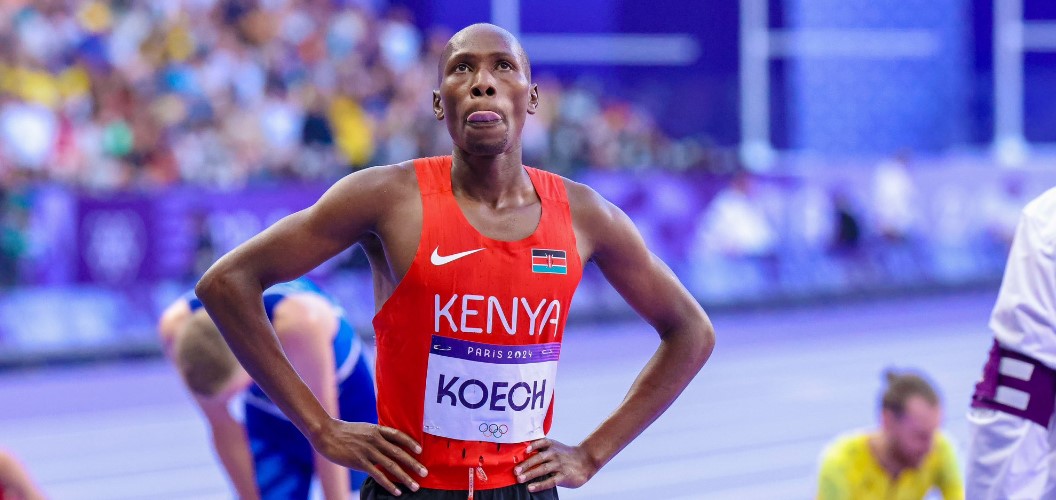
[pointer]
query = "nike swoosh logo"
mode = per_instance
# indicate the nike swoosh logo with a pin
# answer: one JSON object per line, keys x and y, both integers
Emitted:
{"x": 439, "y": 260}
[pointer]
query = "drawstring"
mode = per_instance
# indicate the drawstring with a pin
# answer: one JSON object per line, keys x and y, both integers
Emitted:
{"x": 470, "y": 483}
{"x": 477, "y": 473}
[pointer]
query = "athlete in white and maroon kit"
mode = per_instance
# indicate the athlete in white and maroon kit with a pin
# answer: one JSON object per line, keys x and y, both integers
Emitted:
{"x": 475, "y": 258}
{"x": 1012, "y": 453}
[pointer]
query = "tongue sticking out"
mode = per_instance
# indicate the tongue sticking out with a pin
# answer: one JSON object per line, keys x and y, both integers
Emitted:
{"x": 484, "y": 116}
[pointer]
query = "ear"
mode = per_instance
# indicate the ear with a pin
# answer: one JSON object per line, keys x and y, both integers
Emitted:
{"x": 438, "y": 108}
{"x": 533, "y": 99}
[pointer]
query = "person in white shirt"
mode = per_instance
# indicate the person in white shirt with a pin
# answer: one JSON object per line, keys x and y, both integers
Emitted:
{"x": 1012, "y": 449}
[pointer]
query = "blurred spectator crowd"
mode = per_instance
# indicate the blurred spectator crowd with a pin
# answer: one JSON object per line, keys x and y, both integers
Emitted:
{"x": 117, "y": 94}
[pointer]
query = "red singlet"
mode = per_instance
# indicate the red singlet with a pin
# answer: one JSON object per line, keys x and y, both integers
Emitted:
{"x": 469, "y": 341}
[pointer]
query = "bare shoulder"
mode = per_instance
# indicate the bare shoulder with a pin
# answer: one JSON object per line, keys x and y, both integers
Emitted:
{"x": 595, "y": 219}
{"x": 304, "y": 314}
{"x": 387, "y": 182}
{"x": 172, "y": 319}
{"x": 583, "y": 200}
{"x": 398, "y": 175}
{"x": 361, "y": 201}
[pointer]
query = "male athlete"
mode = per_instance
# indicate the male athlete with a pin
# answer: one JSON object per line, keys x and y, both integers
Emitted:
{"x": 269, "y": 457}
{"x": 1012, "y": 451}
{"x": 475, "y": 259}
{"x": 905, "y": 458}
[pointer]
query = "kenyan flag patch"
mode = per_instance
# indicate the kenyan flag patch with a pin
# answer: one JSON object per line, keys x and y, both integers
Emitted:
{"x": 549, "y": 261}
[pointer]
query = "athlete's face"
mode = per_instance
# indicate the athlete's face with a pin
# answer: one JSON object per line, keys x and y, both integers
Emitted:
{"x": 913, "y": 433}
{"x": 485, "y": 91}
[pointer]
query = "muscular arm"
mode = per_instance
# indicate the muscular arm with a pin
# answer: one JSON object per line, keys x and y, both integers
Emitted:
{"x": 686, "y": 335}
{"x": 305, "y": 326}
{"x": 231, "y": 291}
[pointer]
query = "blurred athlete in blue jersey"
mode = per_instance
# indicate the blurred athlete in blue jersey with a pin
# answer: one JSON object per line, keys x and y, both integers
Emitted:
{"x": 266, "y": 456}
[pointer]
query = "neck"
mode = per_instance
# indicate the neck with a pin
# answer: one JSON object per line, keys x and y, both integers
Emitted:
{"x": 497, "y": 180}
{"x": 883, "y": 450}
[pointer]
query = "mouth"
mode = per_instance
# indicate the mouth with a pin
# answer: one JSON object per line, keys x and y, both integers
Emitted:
{"x": 483, "y": 118}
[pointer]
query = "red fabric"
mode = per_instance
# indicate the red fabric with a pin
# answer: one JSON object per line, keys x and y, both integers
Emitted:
{"x": 405, "y": 324}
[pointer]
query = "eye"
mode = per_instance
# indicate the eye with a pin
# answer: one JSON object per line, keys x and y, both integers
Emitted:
{"x": 505, "y": 65}
{"x": 462, "y": 67}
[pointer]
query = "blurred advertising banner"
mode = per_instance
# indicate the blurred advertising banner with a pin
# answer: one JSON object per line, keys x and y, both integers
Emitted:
{"x": 98, "y": 269}
{"x": 174, "y": 234}
{"x": 116, "y": 239}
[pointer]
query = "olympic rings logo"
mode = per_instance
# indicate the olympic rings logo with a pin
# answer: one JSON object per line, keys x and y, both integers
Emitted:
{"x": 493, "y": 430}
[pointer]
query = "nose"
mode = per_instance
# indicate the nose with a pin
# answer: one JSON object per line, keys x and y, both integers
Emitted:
{"x": 483, "y": 84}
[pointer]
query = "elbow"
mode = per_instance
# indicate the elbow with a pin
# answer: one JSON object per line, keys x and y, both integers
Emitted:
{"x": 216, "y": 282}
{"x": 694, "y": 340}
{"x": 699, "y": 341}
{"x": 705, "y": 342}
{"x": 207, "y": 284}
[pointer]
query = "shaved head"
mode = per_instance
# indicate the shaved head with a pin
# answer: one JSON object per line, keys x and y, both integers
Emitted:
{"x": 485, "y": 91}
{"x": 474, "y": 30}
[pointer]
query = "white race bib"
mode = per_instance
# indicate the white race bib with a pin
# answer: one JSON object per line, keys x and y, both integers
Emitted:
{"x": 486, "y": 392}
